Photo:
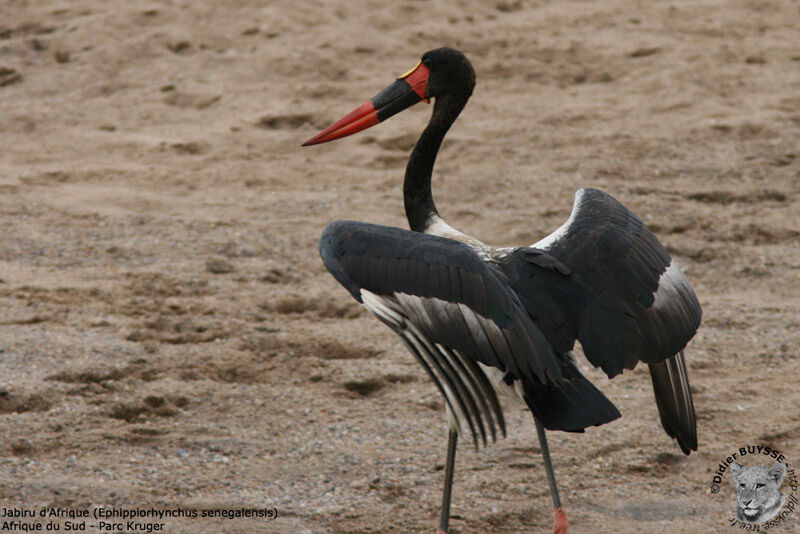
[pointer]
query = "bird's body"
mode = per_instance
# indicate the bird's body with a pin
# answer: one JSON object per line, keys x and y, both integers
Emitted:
{"x": 481, "y": 319}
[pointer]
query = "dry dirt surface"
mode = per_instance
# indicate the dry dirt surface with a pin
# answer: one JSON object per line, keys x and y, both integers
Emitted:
{"x": 169, "y": 337}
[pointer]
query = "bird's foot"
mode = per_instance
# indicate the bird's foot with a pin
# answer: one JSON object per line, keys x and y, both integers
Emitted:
{"x": 560, "y": 524}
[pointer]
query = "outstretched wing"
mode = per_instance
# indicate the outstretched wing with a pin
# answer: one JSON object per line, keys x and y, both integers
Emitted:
{"x": 611, "y": 285}
{"x": 462, "y": 293}
{"x": 604, "y": 279}
{"x": 453, "y": 308}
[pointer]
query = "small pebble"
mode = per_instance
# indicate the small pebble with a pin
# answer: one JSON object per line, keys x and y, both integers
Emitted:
{"x": 218, "y": 265}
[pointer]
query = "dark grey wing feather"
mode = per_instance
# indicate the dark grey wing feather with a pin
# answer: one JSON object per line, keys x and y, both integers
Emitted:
{"x": 674, "y": 400}
{"x": 604, "y": 279}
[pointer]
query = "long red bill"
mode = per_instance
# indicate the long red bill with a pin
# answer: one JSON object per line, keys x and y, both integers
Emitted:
{"x": 401, "y": 94}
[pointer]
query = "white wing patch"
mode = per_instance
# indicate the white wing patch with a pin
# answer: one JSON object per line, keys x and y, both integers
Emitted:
{"x": 382, "y": 308}
{"x": 439, "y": 227}
{"x": 497, "y": 379}
{"x": 670, "y": 284}
{"x": 562, "y": 230}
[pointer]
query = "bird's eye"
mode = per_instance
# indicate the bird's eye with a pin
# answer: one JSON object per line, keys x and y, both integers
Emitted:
{"x": 741, "y": 486}
{"x": 759, "y": 485}
{"x": 426, "y": 60}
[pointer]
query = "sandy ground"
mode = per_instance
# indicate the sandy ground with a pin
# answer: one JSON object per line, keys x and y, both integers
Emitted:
{"x": 169, "y": 337}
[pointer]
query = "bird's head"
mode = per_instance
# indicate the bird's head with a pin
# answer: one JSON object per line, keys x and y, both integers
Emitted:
{"x": 441, "y": 73}
{"x": 449, "y": 72}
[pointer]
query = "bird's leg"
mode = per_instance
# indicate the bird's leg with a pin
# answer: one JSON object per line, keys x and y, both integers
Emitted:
{"x": 560, "y": 523}
{"x": 452, "y": 441}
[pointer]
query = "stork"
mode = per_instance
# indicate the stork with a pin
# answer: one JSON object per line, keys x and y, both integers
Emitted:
{"x": 482, "y": 320}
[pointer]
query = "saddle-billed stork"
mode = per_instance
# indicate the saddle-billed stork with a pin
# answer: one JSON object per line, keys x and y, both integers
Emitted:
{"x": 481, "y": 319}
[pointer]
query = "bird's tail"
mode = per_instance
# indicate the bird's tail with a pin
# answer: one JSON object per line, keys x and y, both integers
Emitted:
{"x": 571, "y": 405}
{"x": 674, "y": 400}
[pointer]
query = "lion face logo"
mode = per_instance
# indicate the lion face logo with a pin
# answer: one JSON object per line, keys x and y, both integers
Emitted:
{"x": 758, "y": 491}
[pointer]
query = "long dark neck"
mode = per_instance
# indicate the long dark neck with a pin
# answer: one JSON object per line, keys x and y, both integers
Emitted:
{"x": 417, "y": 195}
